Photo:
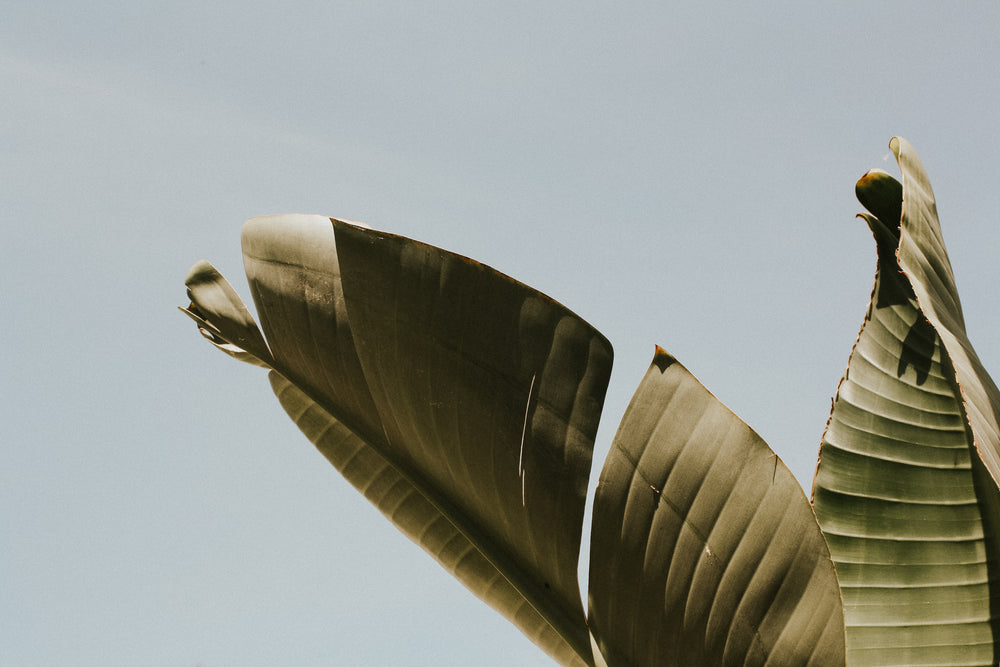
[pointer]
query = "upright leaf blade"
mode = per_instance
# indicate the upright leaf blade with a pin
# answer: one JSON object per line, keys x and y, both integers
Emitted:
{"x": 705, "y": 550}
{"x": 924, "y": 260}
{"x": 908, "y": 508}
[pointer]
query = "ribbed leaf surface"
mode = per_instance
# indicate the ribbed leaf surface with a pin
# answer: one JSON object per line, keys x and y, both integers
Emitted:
{"x": 901, "y": 493}
{"x": 462, "y": 403}
{"x": 421, "y": 521}
{"x": 705, "y": 550}
{"x": 923, "y": 258}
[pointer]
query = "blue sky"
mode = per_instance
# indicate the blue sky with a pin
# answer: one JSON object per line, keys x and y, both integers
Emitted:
{"x": 679, "y": 175}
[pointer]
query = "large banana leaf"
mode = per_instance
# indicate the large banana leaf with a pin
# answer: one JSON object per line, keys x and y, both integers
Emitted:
{"x": 462, "y": 403}
{"x": 905, "y": 489}
{"x": 705, "y": 550}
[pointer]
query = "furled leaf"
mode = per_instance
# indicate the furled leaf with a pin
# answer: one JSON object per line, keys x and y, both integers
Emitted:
{"x": 909, "y": 507}
{"x": 705, "y": 550}
{"x": 923, "y": 259}
{"x": 462, "y": 403}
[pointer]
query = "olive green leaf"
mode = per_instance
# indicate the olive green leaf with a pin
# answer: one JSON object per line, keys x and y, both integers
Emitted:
{"x": 460, "y": 402}
{"x": 705, "y": 550}
{"x": 903, "y": 490}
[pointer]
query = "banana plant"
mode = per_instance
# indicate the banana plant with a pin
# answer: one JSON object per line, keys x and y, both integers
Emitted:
{"x": 464, "y": 405}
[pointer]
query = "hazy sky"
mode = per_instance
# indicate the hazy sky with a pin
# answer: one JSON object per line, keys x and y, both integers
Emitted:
{"x": 679, "y": 175}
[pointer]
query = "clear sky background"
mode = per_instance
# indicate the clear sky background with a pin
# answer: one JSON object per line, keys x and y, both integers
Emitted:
{"x": 677, "y": 174}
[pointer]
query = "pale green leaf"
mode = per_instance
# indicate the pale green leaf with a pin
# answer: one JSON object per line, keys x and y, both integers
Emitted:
{"x": 907, "y": 505}
{"x": 923, "y": 258}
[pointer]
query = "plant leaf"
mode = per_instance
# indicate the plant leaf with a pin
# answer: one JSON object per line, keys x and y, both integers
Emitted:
{"x": 222, "y": 317}
{"x": 906, "y": 503}
{"x": 462, "y": 403}
{"x": 419, "y": 519}
{"x": 923, "y": 259}
{"x": 705, "y": 550}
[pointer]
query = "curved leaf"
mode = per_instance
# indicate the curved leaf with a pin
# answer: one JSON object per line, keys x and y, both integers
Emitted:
{"x": 462, "y": 403}
{"x": 906, "y": 503}
{"x": 923, "y": 259}
{"x": 222, "y": 317}
{"x": 705, "y": 550}
{"x": 419, "y": 519}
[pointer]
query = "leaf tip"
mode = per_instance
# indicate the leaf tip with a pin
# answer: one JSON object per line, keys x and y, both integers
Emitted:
{"x": 663, "y": 359}
{"x": 894, "y": 145}
{"x": 355, "y": 223}
{"x": 202, "y": 271}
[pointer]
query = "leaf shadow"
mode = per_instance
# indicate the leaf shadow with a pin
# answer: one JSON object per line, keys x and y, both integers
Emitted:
{"x": 918, "y": 349}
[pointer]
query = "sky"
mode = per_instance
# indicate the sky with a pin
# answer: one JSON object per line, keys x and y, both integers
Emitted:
{"x": 676, "y": 174}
